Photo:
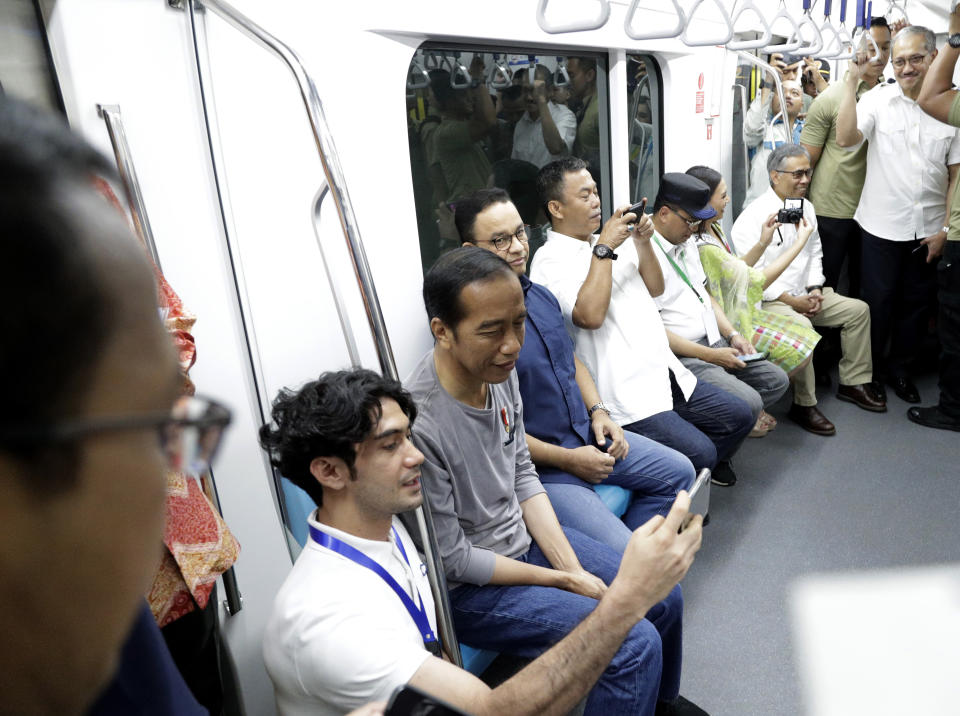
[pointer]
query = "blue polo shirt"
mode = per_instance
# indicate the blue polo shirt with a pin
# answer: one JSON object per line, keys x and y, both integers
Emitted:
{"x": 553, "y": 409}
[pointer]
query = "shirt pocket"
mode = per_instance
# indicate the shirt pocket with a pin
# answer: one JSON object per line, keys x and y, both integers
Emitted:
{"x": 935, "y": 141}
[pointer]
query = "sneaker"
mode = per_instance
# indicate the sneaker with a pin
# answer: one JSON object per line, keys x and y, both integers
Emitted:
{"x": 723, "y": 474}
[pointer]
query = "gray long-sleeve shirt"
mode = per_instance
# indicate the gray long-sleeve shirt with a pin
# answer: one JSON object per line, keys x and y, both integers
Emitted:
{"x": 476, "y": 473}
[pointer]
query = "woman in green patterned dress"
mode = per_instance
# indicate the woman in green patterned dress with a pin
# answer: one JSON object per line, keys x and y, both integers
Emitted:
{"x": 738, "y": 287}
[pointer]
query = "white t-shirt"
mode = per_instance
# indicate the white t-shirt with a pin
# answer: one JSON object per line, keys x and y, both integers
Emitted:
{"x": 339, "y": 636}
{"x": 628, "y": 355}
{"x": 905, "y": 190}
{"x": 680, "y": 310}
{"x": 528, "y": 142}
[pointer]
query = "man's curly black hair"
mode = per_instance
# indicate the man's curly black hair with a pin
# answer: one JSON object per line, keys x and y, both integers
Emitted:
{"x": 327, "y": 417}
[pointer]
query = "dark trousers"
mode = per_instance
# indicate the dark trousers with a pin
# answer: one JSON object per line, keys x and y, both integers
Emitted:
{"x": 899, "y": 286}
{"x": 948, "y": 276}
{"x": 841, "y": 239}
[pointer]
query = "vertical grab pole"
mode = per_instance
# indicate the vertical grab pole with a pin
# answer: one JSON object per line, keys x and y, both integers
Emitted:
{"x": 338, "y": 190}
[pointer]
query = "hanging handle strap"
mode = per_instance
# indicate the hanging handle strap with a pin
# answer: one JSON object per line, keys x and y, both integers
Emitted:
{"x": 654, "y": 34}
{"x": 707, "y": 41}
{"x": 761, "y": 41}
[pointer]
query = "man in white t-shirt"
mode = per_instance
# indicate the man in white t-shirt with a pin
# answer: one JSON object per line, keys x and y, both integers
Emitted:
{"x": 355, "y": 618}
{"x": 547, "y": 130}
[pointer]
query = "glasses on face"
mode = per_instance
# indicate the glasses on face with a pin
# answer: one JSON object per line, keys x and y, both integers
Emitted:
{"x": 797, "y": 175}
{"x": 503, "y": 242}
{"x": 914, "y": 60}
{"x": 189, "y": 434}
{"x": 693, "y": 224}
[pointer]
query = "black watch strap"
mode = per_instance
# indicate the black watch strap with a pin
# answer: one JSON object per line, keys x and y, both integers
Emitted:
{"x": 602, "y": 251}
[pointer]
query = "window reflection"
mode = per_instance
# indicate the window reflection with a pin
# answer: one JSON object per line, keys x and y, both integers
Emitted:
{"x": 482, "y": 118}
{"x": 643, "y": 85}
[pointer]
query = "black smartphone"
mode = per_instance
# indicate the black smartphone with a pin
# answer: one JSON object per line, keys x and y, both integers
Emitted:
{"x": 410, "y": 701}
{"x": 638, "y": 208}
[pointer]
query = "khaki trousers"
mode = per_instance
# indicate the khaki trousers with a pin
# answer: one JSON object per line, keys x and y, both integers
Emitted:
{"x": 853, "y": 317}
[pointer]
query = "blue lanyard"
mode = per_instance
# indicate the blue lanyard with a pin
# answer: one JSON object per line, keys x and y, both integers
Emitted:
{"x": 418, "y": 614}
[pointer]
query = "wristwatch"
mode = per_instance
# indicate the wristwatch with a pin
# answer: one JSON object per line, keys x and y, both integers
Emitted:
{"x": 954, "y": 40}
{"x": 732, "y": 334}
{"x": 815, "y": 287}
{"x": 595, "y": 408}
{"x": 602, "y": 251}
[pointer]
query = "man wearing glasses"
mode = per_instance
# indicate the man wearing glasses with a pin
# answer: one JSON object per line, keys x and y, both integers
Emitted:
{"x": 92, "y": 421}
{"x": 605, "y": 285}
{"x": 912, "y": 162}
{"x": 799, "y": 291}
{"x": 572, "y": 439}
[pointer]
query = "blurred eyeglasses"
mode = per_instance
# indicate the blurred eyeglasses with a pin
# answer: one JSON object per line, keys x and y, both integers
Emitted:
{"x": 914, "y": 60}
{"x": 797, "y": 175}
{"x": 189, "y": 434}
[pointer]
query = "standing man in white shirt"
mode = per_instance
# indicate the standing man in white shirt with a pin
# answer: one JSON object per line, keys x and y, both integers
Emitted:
{"x": 912, "y": 162}
{"x": 547, "y": 131}
{"x": 607, "y": 303}
{"x": 697, "y": 329}
{"x": 800, "y": 293}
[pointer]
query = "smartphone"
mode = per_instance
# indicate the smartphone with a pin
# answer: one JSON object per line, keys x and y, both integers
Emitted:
{"x": 638, "y": 208}
{"x": 410, "y": 701}
{"x": 699, "y": 497}
{"x": 753, "y": 357}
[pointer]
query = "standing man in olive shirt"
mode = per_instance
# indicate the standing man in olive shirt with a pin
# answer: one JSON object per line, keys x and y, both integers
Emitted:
{"x": 839, "y": 174}
{"x": 942, "y": 102}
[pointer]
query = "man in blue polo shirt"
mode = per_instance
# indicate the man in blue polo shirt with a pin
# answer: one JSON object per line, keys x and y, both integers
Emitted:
{"x": 571, "y": 437}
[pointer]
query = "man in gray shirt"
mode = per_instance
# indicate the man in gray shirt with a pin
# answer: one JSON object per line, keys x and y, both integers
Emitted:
{"x": 520, "y": 581}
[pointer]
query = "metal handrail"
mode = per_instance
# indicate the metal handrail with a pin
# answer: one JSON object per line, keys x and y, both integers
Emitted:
{"x": 334, "y": 177}
{"x": 128, "y": 177}
{"x": 787, "y": 46}
{"x": 753, "y": 59}
{"x": 743, "y": 110}
{"x": 707, "y": 42}
{"x": 761, "y": 41}
{"x": 655, "y": 34}
{"x": 599, "y": 21}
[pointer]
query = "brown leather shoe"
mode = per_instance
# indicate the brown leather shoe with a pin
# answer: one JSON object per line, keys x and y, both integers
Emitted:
{"x": 811, "y": 419}
{"x": 863, "y": 397}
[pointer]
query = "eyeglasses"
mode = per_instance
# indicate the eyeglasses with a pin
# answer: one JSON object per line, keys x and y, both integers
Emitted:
{"x": 797, "y": 175}
{"x": 694, "y": 224}
{"x": 503, "y": 242}
{"x": 189, "y": 434}
{"x": 914, "y": 60}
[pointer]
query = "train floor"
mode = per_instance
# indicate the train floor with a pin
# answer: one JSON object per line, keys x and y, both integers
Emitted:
{"x": 882, "y": 493}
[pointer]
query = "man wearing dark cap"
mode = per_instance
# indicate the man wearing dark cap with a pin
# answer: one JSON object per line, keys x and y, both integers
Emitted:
{"x": 607, "y": 300}
{"x": 697, "y": 328}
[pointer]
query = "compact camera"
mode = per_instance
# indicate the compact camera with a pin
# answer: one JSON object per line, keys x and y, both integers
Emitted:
{"x": 792, "y": 211}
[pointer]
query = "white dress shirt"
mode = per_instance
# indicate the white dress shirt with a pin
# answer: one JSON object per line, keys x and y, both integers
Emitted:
{"x": 805, "y": 270}
{"x": 904, "y": 195}
{"x": 528, "y": 142}
{"x": 628, "y": 355}
{"x": 338, "y": 636}
{"x": 686, "y": 311}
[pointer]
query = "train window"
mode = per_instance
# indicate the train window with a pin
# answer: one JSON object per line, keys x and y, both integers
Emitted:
{"x": 475, "y": 120}
{"x": 26, "y": 68}
{"x": 645, "y": 126}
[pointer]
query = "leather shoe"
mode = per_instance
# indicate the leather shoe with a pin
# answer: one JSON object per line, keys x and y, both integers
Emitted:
{"x": 811, "y": 419}
{"x": 932, "y": 417}
{"x": 878, "y": 389}
{"x": 862, "y": 396}
{"x": 905, "y": 389}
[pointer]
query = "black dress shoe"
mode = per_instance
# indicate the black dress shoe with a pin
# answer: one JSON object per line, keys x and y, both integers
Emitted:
{"x": 679, "y": 707}
{"x": 811, "y": 420}
{"x": 862, "y": 396}
{"x": 879, "y": 389}
{"x": 905, "y": 389}
{"x": 932, "y": 417}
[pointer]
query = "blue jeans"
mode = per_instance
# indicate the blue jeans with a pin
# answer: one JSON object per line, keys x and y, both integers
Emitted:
{"x": 527, "y": 620}
{"x": 707, "y": 428}
{"x": 653, "y": 472}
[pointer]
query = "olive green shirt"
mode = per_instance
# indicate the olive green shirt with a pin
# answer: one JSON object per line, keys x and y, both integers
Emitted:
{"x": 839, "y": 175}
{"x": 954, "y": 233}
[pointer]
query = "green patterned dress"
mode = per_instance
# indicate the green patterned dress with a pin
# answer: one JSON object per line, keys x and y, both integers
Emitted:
{"x": 739, "y": 288}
